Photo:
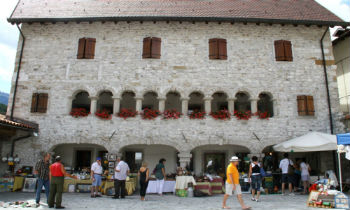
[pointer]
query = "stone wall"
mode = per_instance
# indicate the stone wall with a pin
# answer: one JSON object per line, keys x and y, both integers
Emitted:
{"x": 49, "y": 65}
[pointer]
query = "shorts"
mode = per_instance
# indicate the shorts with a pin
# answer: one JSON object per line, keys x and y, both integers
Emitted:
{"x": 305, "y": 178}
{"x": 256, "y": 182}
{"x": 98, "y": 180}
{"x": 287, "y": 178}
{"x": 229, "y": 189}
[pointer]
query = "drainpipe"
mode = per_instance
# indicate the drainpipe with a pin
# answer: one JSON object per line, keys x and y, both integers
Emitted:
{"x": 17, "y": 76}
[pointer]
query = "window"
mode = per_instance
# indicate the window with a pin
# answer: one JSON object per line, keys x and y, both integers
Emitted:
{"x": 196, "y": 102}
{"x": 150, "y": 101}
{"x": 219, "y": 102}
{"x": 151, "y": 47}
{"x": 217, "y": 49}
{"x": 242, "y": 102}
{"x": 105, "y": 102}
{"x": 86, "y": 48}
{"x": 128, "y": 101}
{"x": 39, "y": 102}
{"x": 81, "y": 101}
{"x": 265, "y": 104}
{"x": 283, "y": 50}
{"x": 306, "y": 105}
{"x": 173, "y": 101}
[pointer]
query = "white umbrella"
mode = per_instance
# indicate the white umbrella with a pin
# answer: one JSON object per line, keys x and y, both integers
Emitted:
{"x": 313, "y": 141}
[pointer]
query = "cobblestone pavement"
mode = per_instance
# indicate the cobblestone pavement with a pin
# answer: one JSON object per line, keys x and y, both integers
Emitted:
{"x": 166, "y": 202}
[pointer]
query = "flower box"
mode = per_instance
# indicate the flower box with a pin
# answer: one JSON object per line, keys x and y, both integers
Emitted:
{"x": 79, "y": 112}
{"x": 263, "y": 115}
{"x": 149, "y": 114}
{"x": 171, "y": 114}
{"x": 197, "y": 114}
{"x": 126, "y": 113}
{"x": 221, "y": 115}
{"x": 243, "y": 115}
{"x": 104, "y": 114}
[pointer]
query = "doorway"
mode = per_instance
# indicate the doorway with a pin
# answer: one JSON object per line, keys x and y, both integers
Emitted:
{"x": 217, "y": 165}
{"x": 83, "y": 159}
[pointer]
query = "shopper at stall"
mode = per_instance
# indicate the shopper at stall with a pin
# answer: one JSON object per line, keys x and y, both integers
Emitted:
{"x": 255, "y": 178}
{"x": 160, "y": 175}
{"x": 232, "y": 183}
{"x": 96, "y": 176}
{"x": 143, "y": 175}
{"x": 42, "y": 171}
{"x": 57, "y": 174}
{"x": 297, "y": 174}
{"x": 286, "y": 165}
{"x": 305, "y": 174}
{"x": 122, "y": 171}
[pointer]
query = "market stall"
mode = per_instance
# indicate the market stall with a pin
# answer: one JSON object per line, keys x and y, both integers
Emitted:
{"x": 168, "y": 187}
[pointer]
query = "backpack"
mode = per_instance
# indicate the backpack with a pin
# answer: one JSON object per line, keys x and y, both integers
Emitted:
{"x": 290, "y": 168}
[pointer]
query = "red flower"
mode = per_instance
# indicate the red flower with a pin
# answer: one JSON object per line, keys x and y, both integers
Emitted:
{"x": 197, "y": 114}
{"x": 126, "y": 113}
{"x": 221, "y": 115}
{"x": 79, "y": 112}
{"x": 104, "y": 114}
{"x": 149, "y": 114}
{"x": 263, "y": 115}
{"x": 242, "y": 115}
{"x": 171, "y": 114}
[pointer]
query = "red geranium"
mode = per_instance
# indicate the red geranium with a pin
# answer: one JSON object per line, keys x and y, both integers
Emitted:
{"x": 149, "y": 114}
{"x": 79, "y": 112}
{"x": 126, "y": 113}
{"x": 221, "y": 114}
{"x": 263, "y": 115}
{"x": 197, "y": 114}
{"x": 104, "y": 114}
{"x": 242, "y": 115}
{"x": 171, "y": 114}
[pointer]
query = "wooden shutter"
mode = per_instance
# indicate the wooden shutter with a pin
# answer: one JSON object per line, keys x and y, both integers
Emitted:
{"x": 222, "y": 49}
{"x": 155, "y": 48}
{"x": 213, "y": 49}
{"x": 279, "y": 50}
{"x": 90, "y": 48}
{"x": 42, "y": 102}
{"x": 288, "y": 50}
{"x": 34, "y": 102}
{"x": 146, "y": 52}
{"x": 310, "y": 105}
{"x": 302, "y": 108}
{"x": 81, "y": 48}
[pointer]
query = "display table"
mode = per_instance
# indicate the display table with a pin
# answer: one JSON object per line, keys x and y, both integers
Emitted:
{"x": 74, "y": 182}
{"x": 129, "y": 186}
{"x": 204, "y": 187}
{"x": 18, "y": 183}
{"x": 169, "y": 186}
{"x": 217, "y": 186}
{"x": 182, "y": 182}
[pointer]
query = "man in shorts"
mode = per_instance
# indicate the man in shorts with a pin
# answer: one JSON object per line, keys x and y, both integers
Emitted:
{"x": 96, "y": 176}
{"x": 232, "y": 184}
{"x": 286, "y": 178}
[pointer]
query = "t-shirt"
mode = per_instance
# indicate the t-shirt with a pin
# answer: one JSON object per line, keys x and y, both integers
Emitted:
{"x": 97, "y": 168}
{"x": 159, "y": 173}
{"x": 304, "y": 169}
{"x": 232, "y": 169}
{"x": 284, "y": 165}
{"x": 123, "y": 167}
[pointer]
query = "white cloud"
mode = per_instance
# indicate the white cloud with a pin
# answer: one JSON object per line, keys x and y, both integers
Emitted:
{"x": 339, "y": 7}
{"x": 5, "y": 74}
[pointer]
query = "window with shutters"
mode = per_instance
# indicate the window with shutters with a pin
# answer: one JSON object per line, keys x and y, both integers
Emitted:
{"x": 151, "y": 47}
{"x": 306, "y": 105}
{"x": 283, "y": 50}
{"x": 86, "y": 48}
{"x": 39, "y": 103}
{"x": 217, "y": 49}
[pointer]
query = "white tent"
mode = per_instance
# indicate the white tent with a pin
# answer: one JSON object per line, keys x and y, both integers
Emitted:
{"x": 313, "y": 141}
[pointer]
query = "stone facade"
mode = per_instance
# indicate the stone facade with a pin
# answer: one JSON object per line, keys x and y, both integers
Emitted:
{"x": 50, "y": 65}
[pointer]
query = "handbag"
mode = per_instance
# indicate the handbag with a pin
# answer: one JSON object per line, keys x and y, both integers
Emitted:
{"x": 262, "y": 172}
{"x": 290, "y": 168}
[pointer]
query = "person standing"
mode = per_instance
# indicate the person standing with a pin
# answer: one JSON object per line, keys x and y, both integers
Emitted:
{"x": 96, "y": 176}
{"x": 305, "y": 174}
{"x": 143, "y": 175}
{"x": 42, "y": 170}
{"x": 232, "y": 183}
{"x": 121, "y": 172}
{"x": 160, "y": 175}
{"x": 286, "y": 176}
{"x": 255, "y": 177}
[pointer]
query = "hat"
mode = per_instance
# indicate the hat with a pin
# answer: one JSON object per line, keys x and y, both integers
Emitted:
{"x": 234, "y": 159}
{"x": 98, "y": 158}
{"x": 58, "y": 158}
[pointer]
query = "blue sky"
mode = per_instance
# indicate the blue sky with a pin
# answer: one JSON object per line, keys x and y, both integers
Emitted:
{"x": 9, "y": 35}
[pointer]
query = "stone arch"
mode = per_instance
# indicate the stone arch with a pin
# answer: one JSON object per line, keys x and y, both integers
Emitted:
{"x": 150, "y": 100}
{"x": 246, "y": 91}
{"x": 106, "y": 89}
{"x": 219, "y": 101}
{"x": 147, "y": 90}
{"x": 128, "y": 89}
{"x": 267, "y": 93}
{"x": 265, "y": 104}
{"x": 105, "y": 101}
{"x": 81, "y": 89}
{"x": 172, "y": 89}
{"x": 242, "y": 102}
{"x": 143, "y": 141}
{"x": 128, "y": 100}
{"x": 188, "y": 93}
{"x": 221, "y": 90}
{"x": 81, "y": 100}
{"x": 173, "y": 100}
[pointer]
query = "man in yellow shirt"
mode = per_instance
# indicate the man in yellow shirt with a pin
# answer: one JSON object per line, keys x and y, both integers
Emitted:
{"x": 232, "y": 183}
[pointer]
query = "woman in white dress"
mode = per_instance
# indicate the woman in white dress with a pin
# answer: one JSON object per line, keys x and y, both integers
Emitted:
{"x": 305, "y": 174}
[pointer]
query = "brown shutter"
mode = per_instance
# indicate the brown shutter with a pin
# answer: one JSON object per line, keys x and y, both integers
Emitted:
{"x": 156, "y": 46}
{"x": 310, "y": 105}
{"x": 146, "y": 52}
{"x": 90, "y": 48}
{"x": 42, "y": 102}
{"x": 288, "y": 50}
{"x": 81, "y": 48}
{"x": 34, "y": 102}
{"x": 302, "y": 105}
{"x": 213, "y": 49}
{"x": 222, "y": 49}
{"x": 279, "y": 50}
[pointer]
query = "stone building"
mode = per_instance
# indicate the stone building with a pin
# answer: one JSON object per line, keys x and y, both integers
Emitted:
{"x": 192, "y": 56}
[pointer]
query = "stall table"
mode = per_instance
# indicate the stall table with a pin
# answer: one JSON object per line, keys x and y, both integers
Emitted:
{"x": 182, "y": 182}
{"x": 217, "y": 186}
{"x": 129, "y": 186}
{"x": 169, "y": 186}
{"x": 18, "y": 183}
{"x": 204, "y": 187}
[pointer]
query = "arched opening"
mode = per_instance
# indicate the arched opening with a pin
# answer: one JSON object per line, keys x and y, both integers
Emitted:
{"x": 81, "y": 101}
{"x": 150, "y": 101}
{"x": 173, "y": 101}
{"x": 196, "y": 102}
{"x": 219, "y": 102}
{"x": 105, "y": 101}
{"x": 128, "y": 101}
{"x": 265, "y": 105}
{"x": 242, "y": 103}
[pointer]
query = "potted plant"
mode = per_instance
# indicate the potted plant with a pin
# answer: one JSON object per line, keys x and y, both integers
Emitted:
{"x": 197, "y": 114}
{"x": 149, "y": 114}
{"x": 171, "y": 114}
{"x": 243, "y": 115}
{"x": 221, "y": 114}
{"x": 262, "y": 115}
{"x": 79, "y": 112}
{"x": 104, "y": 114}
{"x": 126, "y": 113}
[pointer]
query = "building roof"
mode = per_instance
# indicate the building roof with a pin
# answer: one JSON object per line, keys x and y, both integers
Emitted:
{"x": 17, "y": 123}
{"x": 341, "y": 34}
{"x": 270, "y": 11}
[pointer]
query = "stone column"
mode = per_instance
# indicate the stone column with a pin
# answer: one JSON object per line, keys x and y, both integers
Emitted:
{"x": 69, "y": 104}
{"x": 93, "y": 104}
{"x": 274, "y": 104}
{"x": 184, "y": 158}
{"x": 139, "y": 104}
{"x": 184, "y": 105}
{"x": 231, "y": 104}
{"x": 161, "y": 105}
{"x": 116, "y": 105}
{"x": 254, "y": 105}
{"x": 207, "y": 104}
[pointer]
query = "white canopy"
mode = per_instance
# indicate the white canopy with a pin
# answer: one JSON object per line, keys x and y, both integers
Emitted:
{"x": 314, "y": 141}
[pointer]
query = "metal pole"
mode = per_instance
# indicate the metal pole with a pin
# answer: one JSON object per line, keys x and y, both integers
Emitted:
{"x": 340, "y": 176}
